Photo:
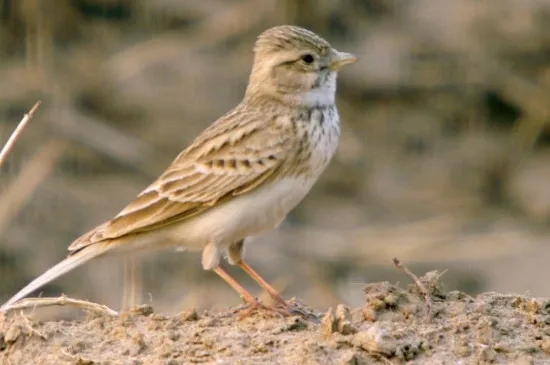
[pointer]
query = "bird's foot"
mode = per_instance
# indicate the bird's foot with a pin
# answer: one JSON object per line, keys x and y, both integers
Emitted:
{"x": 256, "y": 307}
{"x": 289, "y": 310}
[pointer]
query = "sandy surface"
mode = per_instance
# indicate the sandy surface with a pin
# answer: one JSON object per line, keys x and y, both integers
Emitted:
{"x": 392, "y": 327}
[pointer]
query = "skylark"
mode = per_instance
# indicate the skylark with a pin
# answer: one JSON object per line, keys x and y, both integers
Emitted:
{"x": 243, "y": 174}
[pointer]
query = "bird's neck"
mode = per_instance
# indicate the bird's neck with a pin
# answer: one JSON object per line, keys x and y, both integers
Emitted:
{"x": 315, "y": 98}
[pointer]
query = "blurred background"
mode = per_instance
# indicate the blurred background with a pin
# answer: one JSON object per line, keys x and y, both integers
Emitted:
{"x": 444, "y": 159}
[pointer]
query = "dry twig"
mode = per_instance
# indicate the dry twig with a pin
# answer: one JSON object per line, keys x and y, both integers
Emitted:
{"x": 381, "y": 358}
{"x": 132, "y": 283}
{"x": 30, "y": 329}
{"x": 17, "y": 132}
{"x": 62, "y": 300}
{"x": 419, "y": 284}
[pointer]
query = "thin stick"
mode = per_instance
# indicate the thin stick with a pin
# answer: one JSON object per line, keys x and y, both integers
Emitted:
{"x": 419, "y": 284}
{"x": 62, "y": 300}
{"x": 132, "y": 283}
{"x": 30, "y": 327}
{"x": 13, "y": 138}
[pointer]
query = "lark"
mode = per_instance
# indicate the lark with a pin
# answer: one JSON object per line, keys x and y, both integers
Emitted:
{"x": 243, "y": 174}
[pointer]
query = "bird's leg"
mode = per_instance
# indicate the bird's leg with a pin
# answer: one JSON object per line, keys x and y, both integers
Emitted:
{"x": 235, "y": 255}
{"x": 268, "y": 288}
{"x": 281, "y": 306}
{"x": 253, "y": 304}
{"x": 211, "y": 261}
{"x": 245, "y": 295}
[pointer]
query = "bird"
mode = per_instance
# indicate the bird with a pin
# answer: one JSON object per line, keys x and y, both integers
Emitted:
{"x": 242, "y": 175}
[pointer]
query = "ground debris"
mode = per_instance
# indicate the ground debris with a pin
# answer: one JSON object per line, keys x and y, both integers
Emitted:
{"x": 339, "y": 321}
{"x": 390, "y": 328}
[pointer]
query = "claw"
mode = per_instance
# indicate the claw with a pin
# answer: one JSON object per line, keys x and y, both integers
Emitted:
{"x": 257, "y": 307}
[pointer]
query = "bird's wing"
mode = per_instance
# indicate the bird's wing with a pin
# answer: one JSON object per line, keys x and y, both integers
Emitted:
{"x": 234, "y": 155}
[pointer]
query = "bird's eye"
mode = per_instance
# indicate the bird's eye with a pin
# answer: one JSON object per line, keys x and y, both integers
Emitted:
{"x": 307, "y": 59}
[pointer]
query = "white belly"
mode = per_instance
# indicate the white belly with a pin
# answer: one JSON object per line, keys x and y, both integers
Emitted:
{"x": 245, "y": 215}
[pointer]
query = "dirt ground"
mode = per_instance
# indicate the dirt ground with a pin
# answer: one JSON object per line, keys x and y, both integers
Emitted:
{"x": 392, "y": 327}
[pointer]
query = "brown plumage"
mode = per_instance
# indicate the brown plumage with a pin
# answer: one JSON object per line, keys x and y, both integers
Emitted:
{"x": 243, "y": 174}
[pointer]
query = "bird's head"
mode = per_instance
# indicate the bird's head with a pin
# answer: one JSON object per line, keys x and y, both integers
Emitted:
{"x": 296, "y": 66}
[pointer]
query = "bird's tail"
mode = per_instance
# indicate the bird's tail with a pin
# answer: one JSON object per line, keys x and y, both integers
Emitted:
{"x": 61, "y": 268}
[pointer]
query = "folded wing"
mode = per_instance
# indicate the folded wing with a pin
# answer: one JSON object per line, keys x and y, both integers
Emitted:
{"x": 236, "y": 154}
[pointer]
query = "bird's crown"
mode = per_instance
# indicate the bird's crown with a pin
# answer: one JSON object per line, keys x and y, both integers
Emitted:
{"x": 285, "y": 37}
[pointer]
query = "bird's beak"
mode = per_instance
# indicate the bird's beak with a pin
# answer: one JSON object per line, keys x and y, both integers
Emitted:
{"x": 340, "y": 59}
